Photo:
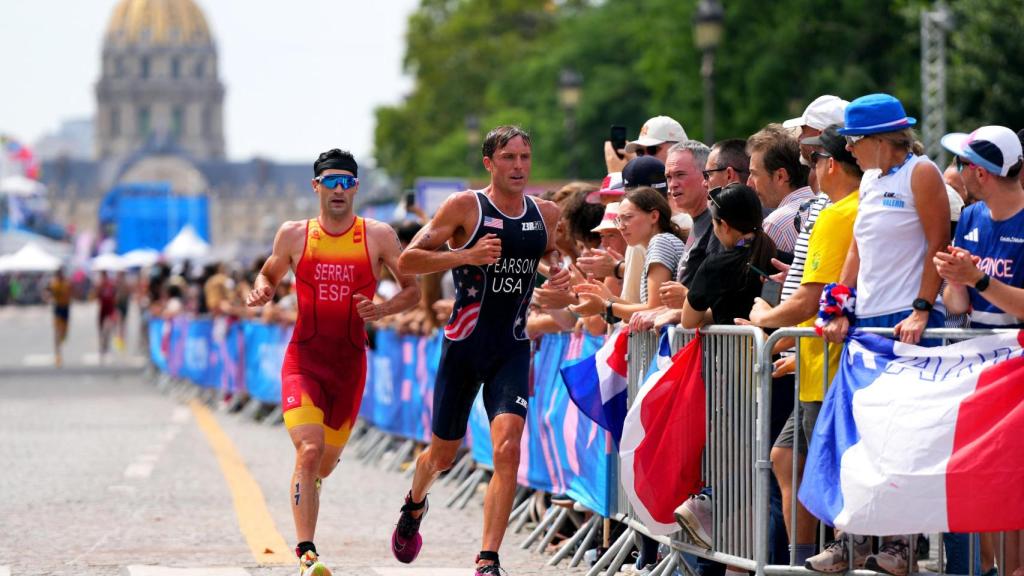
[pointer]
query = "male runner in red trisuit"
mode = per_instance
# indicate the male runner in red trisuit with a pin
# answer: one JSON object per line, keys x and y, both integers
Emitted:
{"x": 337, "y": 258}
{"x": 496, "y": 239}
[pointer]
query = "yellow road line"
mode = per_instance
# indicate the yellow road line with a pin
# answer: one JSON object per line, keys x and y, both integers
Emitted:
{"x": 265, "y": 542}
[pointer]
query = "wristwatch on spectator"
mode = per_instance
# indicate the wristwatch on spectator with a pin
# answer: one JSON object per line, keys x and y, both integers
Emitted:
{"x": 982, "y": 284}
{"x": 922, "y": 305}
{"x": 615, "y": 270}
{"x": 609, "y": 316}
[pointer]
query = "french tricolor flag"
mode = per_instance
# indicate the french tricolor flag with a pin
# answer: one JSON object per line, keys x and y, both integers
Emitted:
{"x": 663, "y": 437}
{"x": 597, "y": 383}
{"x": 913, "y": 439}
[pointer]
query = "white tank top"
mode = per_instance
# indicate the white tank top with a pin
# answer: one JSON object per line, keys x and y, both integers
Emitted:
{"x": 890, "y": 241}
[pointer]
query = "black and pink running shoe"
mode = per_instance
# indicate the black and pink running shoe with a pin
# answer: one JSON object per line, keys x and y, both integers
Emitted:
{"x": 406, "y": 540}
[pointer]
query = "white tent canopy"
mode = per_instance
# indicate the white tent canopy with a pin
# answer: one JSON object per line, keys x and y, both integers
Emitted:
{"x": 140, "y": 258}
{"x": 187, "y": 245}
{"x": 110, "y": 262}
{"x": 31, "y": 258}
{"x": 21, "y": 186}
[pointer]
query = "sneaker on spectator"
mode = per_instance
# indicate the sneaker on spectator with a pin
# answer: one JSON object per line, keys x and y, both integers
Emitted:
{"x": 562, "y": 500}
{"x": 631, "y": 569}
{"x": 694, "y": 516}
{"x": 893, "y": 557}
{"x": 310, "y": 565}
{"x": 836, "y": 556}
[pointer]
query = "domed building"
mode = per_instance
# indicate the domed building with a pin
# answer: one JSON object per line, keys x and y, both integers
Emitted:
{"x": 159, "y": 129}
{"x": 159, "y": 84}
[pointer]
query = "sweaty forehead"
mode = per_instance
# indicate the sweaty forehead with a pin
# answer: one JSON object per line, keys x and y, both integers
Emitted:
{"x": 681, "y": 160}
{"x": 333, "y": 171}
{"x": 514, "y": 146}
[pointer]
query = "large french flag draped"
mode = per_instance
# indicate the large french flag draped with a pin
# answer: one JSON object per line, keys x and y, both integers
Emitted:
{"x": 914, "y": 439}
{"x": 662, "y": 440}
{"x": 597, "y": 384}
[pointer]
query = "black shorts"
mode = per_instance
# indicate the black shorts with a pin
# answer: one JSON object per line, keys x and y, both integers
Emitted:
{"x": 62, "y": 312}
{"x": 465, "y": 366}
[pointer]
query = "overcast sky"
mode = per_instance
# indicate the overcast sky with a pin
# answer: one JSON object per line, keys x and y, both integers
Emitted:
{"x": 301, "y": 77}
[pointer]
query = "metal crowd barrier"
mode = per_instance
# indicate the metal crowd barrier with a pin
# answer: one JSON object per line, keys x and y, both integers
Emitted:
{"x": 737, "y": 367}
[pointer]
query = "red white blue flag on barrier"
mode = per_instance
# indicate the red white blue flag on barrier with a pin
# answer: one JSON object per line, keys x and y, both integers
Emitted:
{"x": 597, "y": 384}
{"x": 913, "y": 439}
{"x": 662, "y": 440}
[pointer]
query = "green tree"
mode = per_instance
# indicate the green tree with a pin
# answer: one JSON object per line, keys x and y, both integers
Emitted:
{"x": 500, "y": 61}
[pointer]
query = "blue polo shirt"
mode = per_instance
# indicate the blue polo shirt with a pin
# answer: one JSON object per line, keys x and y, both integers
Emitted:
{"x": 1000, "y": 245}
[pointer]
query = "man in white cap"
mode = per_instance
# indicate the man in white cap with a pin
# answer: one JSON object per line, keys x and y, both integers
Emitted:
{"x": 819, "y": 114}
{"x": 656, "y": 136}
{"x": 992, "y": 229}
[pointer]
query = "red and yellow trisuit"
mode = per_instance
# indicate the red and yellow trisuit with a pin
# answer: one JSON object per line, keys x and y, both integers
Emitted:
{"x": 324, "y": 370}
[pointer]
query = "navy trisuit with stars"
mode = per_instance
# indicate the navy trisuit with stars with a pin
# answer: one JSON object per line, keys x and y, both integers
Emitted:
{"x": 485, "y": 340}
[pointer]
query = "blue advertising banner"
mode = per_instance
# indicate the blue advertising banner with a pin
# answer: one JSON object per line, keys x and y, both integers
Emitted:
{"x": 196, "y": 366}
{"x": 148, "y": 215}
{"x": 400, "y": 384}
{"x": 265, "y": 345}
{"x": 157, "y": 343}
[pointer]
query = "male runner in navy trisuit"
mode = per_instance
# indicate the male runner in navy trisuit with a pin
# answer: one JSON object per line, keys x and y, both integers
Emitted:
{"x": 496, "y": 238}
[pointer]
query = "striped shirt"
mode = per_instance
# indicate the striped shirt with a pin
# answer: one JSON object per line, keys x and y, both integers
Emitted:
{"x": 665, "y": 249}
{"x": 808, "y": 214}
{"x": 779, "y": 225}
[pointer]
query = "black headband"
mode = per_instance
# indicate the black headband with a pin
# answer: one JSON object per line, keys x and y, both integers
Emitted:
{"x": 338, "y": 163}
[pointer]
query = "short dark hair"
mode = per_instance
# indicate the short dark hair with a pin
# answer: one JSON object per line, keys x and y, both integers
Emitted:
{"x": 336, "y": 158}
{"x": 406, "y": 231}
{"x": 582, "y": 216}
{"x": 501, "y": 136}
{"x": 781, "y": 150}
{"x": 732, "y": 153}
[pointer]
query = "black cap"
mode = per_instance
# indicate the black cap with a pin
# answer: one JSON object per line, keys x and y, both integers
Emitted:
{"x": 833, "y": 143}
{"x": 644, "y": 171}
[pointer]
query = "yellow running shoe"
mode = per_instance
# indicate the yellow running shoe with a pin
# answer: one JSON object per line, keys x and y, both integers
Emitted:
{"x": 310, "y": 565}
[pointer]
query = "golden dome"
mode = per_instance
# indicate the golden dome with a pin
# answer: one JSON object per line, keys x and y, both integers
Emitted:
{"x": 158, "y": 22}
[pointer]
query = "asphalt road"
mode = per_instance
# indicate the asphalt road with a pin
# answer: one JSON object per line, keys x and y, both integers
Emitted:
{"x": 104, "y": 473}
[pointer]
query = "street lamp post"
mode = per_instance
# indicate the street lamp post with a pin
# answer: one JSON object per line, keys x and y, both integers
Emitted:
{"x": 707, "y": 34}
{"x": 472, "y": 143}
{"x": 570, "y": 83}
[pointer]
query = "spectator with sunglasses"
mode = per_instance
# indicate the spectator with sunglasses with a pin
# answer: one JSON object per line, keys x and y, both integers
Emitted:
{"x": 982, "y": 269}
{"x": 829, "y": 241}
{"x": 337, "y": 258}
{"x": 822, "y": 112}
{"x": 656, "y": 136}
{"x": 903, "y": 211}
{"x": 727, "y": 162}
{"x": 780, "y": 180}
{"x": 727, "y": 283}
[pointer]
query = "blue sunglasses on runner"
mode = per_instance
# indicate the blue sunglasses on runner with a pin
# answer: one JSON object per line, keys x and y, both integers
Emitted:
{"x": 331, "y": 181}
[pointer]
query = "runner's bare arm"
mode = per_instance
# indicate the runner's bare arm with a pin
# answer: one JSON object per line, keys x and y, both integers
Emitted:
{"x": 422, "y": 255}
{"x": 385, "y": 237}
{"x": 289, "y": 239}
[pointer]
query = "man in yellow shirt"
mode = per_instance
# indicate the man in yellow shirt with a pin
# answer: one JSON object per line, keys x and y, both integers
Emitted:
{"x": 838, "y": 177}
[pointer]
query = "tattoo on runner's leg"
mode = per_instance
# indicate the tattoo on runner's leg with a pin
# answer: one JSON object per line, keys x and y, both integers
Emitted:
{"x": 298, "y": 496}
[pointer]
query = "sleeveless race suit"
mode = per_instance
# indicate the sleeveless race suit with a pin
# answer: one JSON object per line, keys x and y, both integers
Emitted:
{"x": 324, "y": 369}
{"x": 485, "y": 339}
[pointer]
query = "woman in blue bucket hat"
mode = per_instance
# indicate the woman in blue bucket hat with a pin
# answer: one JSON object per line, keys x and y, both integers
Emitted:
{"x": 902, "y": 221}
